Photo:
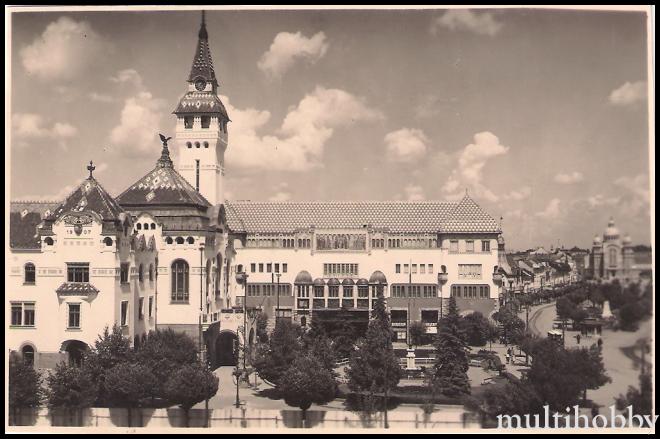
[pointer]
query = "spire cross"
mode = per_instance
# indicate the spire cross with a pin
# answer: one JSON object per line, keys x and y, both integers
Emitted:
{"x": 91, "y": 168}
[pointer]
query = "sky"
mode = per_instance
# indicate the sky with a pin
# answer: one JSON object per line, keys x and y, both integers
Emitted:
{"x": 541, "y": 115}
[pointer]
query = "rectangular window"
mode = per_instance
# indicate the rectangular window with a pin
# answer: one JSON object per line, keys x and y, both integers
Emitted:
{"x": 414, "y": 268}
{"x": 469, "y": 246}
{"x": 77, "y": 272}
{"x": 277, "y": 268}
{"x": 124, "y": 312}
{"x": 422, "y": 269}
{"x": 284, "y": 268}
{"x": 151, "y": 307}
{"x": 30, "y": 274}
{"x": 16, "y": 314}
{"x": 124, "y": 273}
{"x": 197, "y": 175}
{"x": 28, "y": 314}
{"x": 348, "y": 290}
{"x": 269, "y": 268}
{"x": 141, "y": 310}
{"x": 74, "y": 315}
{"x": 469, "y": 271}
{"x": 397, "y": 268}
{"x": 333, "y": 291}
{"x": 405, "y": 268}
{"x": 485, "y": 246}
{"x": 188, "y": 122}
{"x": 206, "y": 121}
{"x": 253, "y": 268}
{"x": 453, "y": 246}
{"x": 430, "y": 268}
{"x": 261, "y": 268}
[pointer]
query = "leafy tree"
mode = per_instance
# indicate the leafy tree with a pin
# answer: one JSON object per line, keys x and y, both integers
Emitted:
{"x": 320, "y": 346}
{"x": 373, "y": 367}
{"x": 189, "y": 385}
{"x": 24, "y": 386}
{"x": 512, "y": 326}
{"x": 640, "y": 399}
{"x": 451, "y": 356}
{"x": 71, "y": 387}
{"x": 128, "y": 384}
{"x": 565, "y": 308}
{"x": 475, "y": 328}
{"x": 513, "y": 398}
{"x": 262, "y": 327}
{"x": 164, "y": 352}
{"x": 629, "y": 316}
{"x": 588, "y": 364}
{"x": 275, "y": 357}
{"x": 307, "y": 381}
{"x": 417, "y": 333}
{"x": 343, "y": 340}
{"x": 110, "y": 349}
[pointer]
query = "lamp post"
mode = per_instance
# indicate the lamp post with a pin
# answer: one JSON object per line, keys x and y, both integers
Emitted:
{"x": 242, "y": 278}
{"x": 201, "y": 297}
{"x": 277, "y": 310}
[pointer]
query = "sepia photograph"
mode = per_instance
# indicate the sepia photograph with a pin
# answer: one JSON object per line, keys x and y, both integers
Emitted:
{"x": 419, "y": 219}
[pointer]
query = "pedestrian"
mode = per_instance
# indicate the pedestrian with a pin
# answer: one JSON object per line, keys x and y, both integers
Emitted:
{"x": 600, "y": 342}
{"x": 578, "y": 338}
{"x": 508, "y": 358}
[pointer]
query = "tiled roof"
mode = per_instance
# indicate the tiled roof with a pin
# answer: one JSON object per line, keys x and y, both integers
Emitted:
{"x": 90, "y": 196}
{"x": 77, "y": 289}
{"x": 162, "y": 185}
{"x": 23, "y": 230}
{"x": 41, "y": 207}
{"x": 394, "y": 216}
{"x": 201, "y": 102}
{"x": 202, "y": 62}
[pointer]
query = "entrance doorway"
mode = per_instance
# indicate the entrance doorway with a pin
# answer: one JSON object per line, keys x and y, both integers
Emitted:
{"x": 226, "y": 349}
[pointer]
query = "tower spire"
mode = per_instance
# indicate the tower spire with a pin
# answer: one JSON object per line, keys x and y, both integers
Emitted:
{"x": 202, "y": 66}
{"x": 203, "y": 35}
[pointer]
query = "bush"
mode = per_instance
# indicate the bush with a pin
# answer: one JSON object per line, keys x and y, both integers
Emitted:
{"x": 24, "y": 385}
{"x": 189, "y": 385}
{"x": 71, "y": 387}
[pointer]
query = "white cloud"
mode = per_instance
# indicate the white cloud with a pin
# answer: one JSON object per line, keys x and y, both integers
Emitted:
{"x": 414, "y": 192}
{"x": 287, "y": 48}
{"x": 33, "y": 126}
{"x": 481, "y": 23}
{"x": 406, "y": 145}
{"x": 629, "y": 93}
{"x": 518, "y": 194}
{"x": 128, "y": 76}
{"x": 280, "y": 196}
{"x": 636, "y": 198}
{"x": 299, "y": 143}
{"x": 600, "y": 200}
{"x": 471, "y": 162}
{"x": 552, "y": 210}
{"x": 64, "y": 50}
{"x": 100, "y": 97}
{"x": 137, "y": 132}
{"x": 569, "y": 178}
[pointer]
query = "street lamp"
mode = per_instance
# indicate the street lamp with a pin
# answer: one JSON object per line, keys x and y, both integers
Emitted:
{"x": 201, "y": 295}
{"x": 277, "y": 310}
{"x": 242, "y": 278}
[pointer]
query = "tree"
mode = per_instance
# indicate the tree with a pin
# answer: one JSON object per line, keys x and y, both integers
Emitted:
{"x": 320, "y": 346}
{"x": 128, "y": 384}
{"x": 417, "y": 333}
{"x": 588, "y": 364}
{"x": 24, "y": 386}
{"x": 343, "y": 340}
{"x": 305, "y": 382}
{"x": 640, "y": 399}
{"x": 110, "y": 349}
{"x": 475, "y": 328}
{"x": 514, "y": 398}
{"x": 275, "y": 357}
{"x": 629, "y": 316}
{"x": 164, "y": 352}
{"x": 373, "y": 368}
{"x": 451, "y": 356}
{"x": 512, "y": 326}
{"x": 189, "y": 385}
{"x": 71, "y": 387}
{"x": 262, "y": 327}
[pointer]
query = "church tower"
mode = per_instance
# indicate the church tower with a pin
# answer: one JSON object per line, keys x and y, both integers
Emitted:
{"x": 201, "y": 129}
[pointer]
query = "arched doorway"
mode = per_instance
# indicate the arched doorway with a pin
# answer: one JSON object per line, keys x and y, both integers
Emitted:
{"x": 76, "y": 351}
{"x": 28, "y": 355}
{"x": 226, "y": 349}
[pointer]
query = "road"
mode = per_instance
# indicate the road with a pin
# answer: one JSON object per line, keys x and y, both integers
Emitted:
{"x": 623, "y": 370}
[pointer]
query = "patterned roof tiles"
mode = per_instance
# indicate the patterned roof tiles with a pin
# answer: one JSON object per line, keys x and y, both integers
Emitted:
{"x": 90, "y": 196}
{"x": 23, "y": 230}
{"x": 76, "y": 289}
{"x": 201, "y": 102}
{"x": 393, "y": 216}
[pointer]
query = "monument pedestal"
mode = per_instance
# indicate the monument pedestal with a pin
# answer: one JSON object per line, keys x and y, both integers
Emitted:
{"x": 410, "y": 359}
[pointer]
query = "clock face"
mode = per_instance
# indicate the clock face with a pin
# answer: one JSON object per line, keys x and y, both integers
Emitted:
{"x": 200, "y": 84}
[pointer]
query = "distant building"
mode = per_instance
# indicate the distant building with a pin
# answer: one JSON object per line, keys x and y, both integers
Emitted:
{"x": 615, "y": 258}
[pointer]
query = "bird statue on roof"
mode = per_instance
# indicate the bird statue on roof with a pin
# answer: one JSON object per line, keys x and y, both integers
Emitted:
{"x": 164, "y": 139}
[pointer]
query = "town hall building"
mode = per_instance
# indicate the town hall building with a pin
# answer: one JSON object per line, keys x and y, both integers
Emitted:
{"x": 171, "y": 252}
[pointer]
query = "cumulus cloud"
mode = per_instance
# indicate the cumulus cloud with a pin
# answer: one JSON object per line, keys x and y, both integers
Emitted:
{"x": 100, "y": 97}
{"x": 64, "y": 50}
{"x": 287, "y": 48}
{"x": 140, "y": 120}
{"x": 471, "y": 162}
{"x": 299, "y": 142}
{"x": 551, "y": 211}
{"x": 600, "y": 200}
{"x": 128, "y": 76}
{"x": 569, "y": 178}
{"x": 481, "y": 23}
{"x": 518, "y": 194}
{"x": 414, "y": 192}
{"x": 406, "y": 145}
{"x": 636, "y": 197}
{"x": 629, "y": 93}
{"x": 28, "y": 126}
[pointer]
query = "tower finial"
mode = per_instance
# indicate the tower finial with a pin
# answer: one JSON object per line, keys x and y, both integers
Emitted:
{"x": 90, "y": 168}
{"x": 165, "y": 160}
{"x": 203, "y": 35}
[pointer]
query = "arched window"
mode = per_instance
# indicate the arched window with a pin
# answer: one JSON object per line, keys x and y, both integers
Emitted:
{"x": 206, "y": 144}
{"x": 107, "y": 241}
{"x": 28, "y": 355}
{"x": 197, "y": 145}
{"x": 49, "y": 241}
{"x": 146, "y": 226}
{"x": 190, "y": 240}
{"x": 141, "y": 273}
{"x": 151, "y": 272}
{"x": 169, "y": 240}
{"x": 180, "y": 281}
{"x": 153, "y": 226}
{"x": 30, "y": 273}
{"x": 179, "y": 240}
{"x": 613, "y": 259}
{"x": 189, "y": 145}
{"x": 138, "y": 226}
{"x": 218, "y": 275}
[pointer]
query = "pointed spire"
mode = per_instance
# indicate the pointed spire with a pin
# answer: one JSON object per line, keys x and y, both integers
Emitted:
{"x": 203, "y": 35}
{"x": 165, "y": 161}
{"x": 202, "y": 66}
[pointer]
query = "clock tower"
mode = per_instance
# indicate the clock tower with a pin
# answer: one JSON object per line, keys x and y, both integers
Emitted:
{"x": 201, "y": 129}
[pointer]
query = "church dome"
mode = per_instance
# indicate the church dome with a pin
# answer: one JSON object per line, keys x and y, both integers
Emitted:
{"x": 611, "y": 232}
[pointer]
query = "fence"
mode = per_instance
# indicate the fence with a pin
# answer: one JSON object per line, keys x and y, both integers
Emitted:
{"x": 445, "y": 417}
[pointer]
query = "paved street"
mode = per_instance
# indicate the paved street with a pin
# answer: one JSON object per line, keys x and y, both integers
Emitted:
{"x": 622, "y": 369}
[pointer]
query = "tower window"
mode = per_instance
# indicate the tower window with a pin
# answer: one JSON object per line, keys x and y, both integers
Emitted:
{"x": 189, "y": 145}
{"x": 206, "y": 144}
{"x": 206, "y": 121}
{"x": 188, "y": 122}
{"x": 197, "y": 173}
{"x": 196, "y": 144}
